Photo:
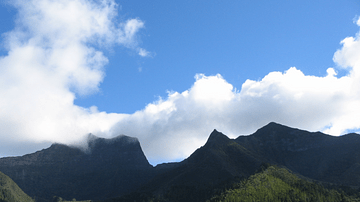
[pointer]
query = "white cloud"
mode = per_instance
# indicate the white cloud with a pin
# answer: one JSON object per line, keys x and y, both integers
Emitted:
{"x": 126, "y": 34}
{"x": 52, "y": 58}
{"x": 143, "y": 52}
{"x": 357, "y": 20}
{"x": 173, "y": 127}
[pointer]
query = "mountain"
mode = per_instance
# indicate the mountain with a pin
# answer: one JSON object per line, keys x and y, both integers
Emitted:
{"x": 10, "y": 191}
{"x": 116, "y": 169}
{"x": 107, "y": 168}
{"x": 223, "y": 161}
{"x": 219, "y": 162}
{"x": 314, "y": 155}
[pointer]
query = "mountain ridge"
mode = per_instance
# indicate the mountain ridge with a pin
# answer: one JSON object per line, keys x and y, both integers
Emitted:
{"x": 116, "y": 167}
{"x": 222, "y": 160}
{"x": 312, "y": 154}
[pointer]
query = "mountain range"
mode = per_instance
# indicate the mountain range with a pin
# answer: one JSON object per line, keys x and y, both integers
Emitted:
{"x": 117, "y": 168}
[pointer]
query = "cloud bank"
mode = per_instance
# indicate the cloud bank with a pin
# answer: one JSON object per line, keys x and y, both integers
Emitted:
{"x": 54, "y": 54}
{"x": 173, "y": 127}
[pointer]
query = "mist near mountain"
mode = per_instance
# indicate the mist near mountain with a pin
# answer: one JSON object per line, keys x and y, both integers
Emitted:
{"x": 108, "y": 168}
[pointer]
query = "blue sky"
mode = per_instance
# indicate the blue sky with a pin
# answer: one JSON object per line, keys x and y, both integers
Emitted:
{"x": 239, "y": 40}
{"x": 169, "y": 72}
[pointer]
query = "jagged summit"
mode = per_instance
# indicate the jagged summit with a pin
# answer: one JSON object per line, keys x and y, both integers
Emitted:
{"x": 217, "y": 136}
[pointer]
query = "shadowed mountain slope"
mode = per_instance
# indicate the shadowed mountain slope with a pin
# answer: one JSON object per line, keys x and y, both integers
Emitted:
{"x": 220, "y": 161}
{"x": 314, "y": 155}
{"x": 108, "y": 168}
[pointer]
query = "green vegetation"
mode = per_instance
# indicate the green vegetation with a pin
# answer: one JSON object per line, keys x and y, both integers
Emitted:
{"x": 278, "y": 184}
{"x": 10, "y": 191}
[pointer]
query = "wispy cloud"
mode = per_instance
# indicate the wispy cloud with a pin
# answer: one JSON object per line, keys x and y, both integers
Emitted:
{"x": 143, "y": 52}
{"x": 357, "y": 20}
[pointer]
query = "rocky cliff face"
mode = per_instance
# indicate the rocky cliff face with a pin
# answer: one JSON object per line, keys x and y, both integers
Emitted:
{"x": 107, "y": 168}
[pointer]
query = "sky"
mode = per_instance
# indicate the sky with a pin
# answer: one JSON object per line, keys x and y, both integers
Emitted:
{"x": 170, "y": 72}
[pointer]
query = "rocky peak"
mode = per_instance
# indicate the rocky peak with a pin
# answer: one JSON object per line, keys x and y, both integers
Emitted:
{"x": 271, "y": 129}
{"x": 217, "y": 137}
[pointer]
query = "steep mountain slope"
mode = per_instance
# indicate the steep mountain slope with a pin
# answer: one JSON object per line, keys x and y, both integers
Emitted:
{"x": 108, "y": 168}
{"x": 222, "y": 161}
{"x": 10, "y": 191}
{"x": 218, "y": 162}
{"x": 314, "y": 155}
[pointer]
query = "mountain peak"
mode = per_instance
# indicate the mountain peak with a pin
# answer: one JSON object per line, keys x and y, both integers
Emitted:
{"x": 217, "y": 137}
{"x": 273, "y": 128}
{"x": 274, "y": 125}
{"x": 91, "y": 137}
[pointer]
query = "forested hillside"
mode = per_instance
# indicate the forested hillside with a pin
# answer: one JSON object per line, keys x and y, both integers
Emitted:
{"x": 10, "y": 192}
{"x": 278, "y": 184}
